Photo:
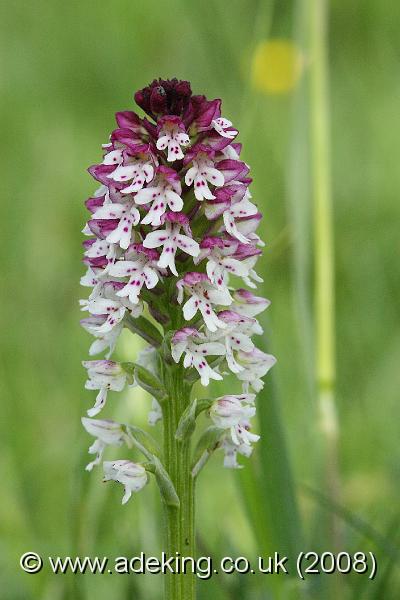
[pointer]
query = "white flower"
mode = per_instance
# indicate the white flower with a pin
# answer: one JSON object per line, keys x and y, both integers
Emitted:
{"x": 220, "y": 262}
{"x": 170, "y": 239}
{"x": 138, "y": 170}
{"x": 164, "y": 194}
{"x": 232, "y": 413}
{"x": 104, "y": 302}
{"x": 256, "y": 364}
{"x": 231, "y": 451}
{"x": 140, "y": 270}
{"x": 172, "y": 137}
{"x": 132, "y": 476}
{"x": 236, "y": 336}
{"x": 104, "y": 341}
{"x": 200, "y": 173}
{"x": 221, "y": 124}
{"x": 202, "y": 296}
{"x": 196, "y": 348}
{"x": 227, "y": 412}
{"x": 240, "y": 207}
{"x": 107, "y": 433}
{"x": 128, "y": 216}
{"x": 99, "y": 248}
{"x": 246, "y": 303}
{"x": 251, "y": 275}
{"x": 103, "y": 375}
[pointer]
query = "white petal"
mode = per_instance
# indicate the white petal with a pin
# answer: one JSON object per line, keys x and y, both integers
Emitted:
{"x": 154, "y": 239}
{"x": 188, "y": 245}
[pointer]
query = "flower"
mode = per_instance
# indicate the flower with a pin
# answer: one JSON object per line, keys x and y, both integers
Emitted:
{"x": 222, "y": 261}
{"x": 256, "y": 364}
{"x": 227, "y": 411}
{"x": 201, "y": 172}
{"x": 132, "y": 475}
{"x": 136, "y": 170}
{"x": 171, "y": 250}
{"x": 164, "y": 192}
{"x": 103, "y": 375}
{"x": 104, "y": 341}
{"x": 202, "y": 296}
{"x": 196, "y": 348}
{"x": 236, "y": 336}
{"x": 140, "y": 267}
{"x": 224, "y": 127}
{"x": 172, "y": 136}
{"x": 233, "y": 413}
{"x": 124, "y": 214}
{"x": 107, "y": 433}
{"x": 171, "y": 239}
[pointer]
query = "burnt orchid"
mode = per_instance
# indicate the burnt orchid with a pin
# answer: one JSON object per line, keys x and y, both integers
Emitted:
{"x": 171, "y": 246}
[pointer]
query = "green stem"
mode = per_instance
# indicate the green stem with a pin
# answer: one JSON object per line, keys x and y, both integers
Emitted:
{"x": 324, "y": 246}
{"x": 179, "y": 522}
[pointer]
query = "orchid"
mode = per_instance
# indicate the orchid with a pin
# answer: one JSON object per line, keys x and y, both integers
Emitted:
{"x": 172, "y": 231}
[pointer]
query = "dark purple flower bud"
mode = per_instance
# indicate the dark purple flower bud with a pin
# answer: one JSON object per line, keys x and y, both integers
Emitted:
{"x": 164, "y": 97}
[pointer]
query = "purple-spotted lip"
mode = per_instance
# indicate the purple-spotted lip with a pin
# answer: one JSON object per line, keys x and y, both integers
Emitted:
{"x": 230, "y": 316}
{"x": 182, "y": 334}
{"x": 211, "y": 242}
{"x": 194, "y": 277}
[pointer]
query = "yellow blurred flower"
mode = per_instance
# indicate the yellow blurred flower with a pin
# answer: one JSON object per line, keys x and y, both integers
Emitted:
{"x": 276, "y": 66}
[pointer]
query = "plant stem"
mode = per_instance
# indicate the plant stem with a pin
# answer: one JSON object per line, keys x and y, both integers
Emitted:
{"x": 179, "y": 522}
{"x": 324, "y": 245}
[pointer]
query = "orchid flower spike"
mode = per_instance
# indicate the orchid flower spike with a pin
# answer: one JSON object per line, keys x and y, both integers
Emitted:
{"x": 171, "y": 249}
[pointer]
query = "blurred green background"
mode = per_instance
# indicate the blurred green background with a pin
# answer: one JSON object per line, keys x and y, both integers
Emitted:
{"x": 66, "y": 68}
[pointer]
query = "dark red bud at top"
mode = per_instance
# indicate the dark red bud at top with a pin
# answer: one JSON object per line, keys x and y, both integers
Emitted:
{"x": 164, "y": 97}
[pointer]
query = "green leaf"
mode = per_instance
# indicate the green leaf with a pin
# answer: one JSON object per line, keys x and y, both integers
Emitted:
{"x": 267, "y": 485}
{"x": 187, "y": 422}
{"x": 207, "y": 444}
{"x": 143, "y": 441}
{"x": 165, "y": 484}
{"x": 149, "y": 382}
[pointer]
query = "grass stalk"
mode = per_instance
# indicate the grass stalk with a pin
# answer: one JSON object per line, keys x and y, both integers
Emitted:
{"x": 324, "y": 306}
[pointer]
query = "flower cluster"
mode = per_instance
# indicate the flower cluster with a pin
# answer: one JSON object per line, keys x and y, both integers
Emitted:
{"x": 171, "y": 241}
